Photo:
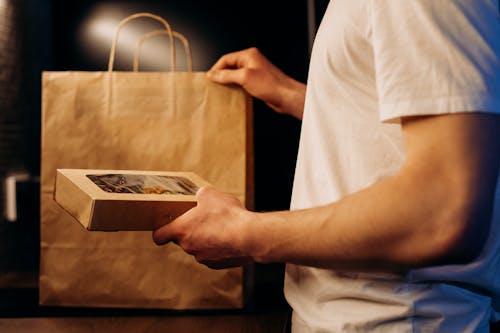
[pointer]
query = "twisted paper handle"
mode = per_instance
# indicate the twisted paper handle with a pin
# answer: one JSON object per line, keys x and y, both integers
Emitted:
{"x": 185, "y": 43}
{"x": 133, "y": 17}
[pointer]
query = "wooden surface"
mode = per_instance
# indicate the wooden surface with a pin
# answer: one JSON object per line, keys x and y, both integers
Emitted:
{"x": 263, "y": 323}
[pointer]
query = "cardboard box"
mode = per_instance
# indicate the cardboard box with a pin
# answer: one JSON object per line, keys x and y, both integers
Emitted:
{"x": 114, "y": 200}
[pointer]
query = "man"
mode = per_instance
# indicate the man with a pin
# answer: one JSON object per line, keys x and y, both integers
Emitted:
{"x": 395, "y": 223}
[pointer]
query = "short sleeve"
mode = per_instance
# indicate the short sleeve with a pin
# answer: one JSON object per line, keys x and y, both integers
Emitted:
{"x": 436, "y": 56}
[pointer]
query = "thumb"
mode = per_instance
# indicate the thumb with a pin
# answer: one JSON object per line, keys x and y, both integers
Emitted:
{"x": 173, "y": 231}
{"x": 165, "y": 234}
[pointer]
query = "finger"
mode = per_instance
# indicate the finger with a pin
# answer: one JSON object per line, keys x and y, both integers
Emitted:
{"x": 226, "y": 263}
{"x": 165, "y": 234}
{"x": 200, "y": 190}
{"x": 204, "y": 191}
{"x": 228, "y": 76}
{"x": 209, "y": 195}
{"x": 231, "y": 60}
{"x": 201, "y": 195}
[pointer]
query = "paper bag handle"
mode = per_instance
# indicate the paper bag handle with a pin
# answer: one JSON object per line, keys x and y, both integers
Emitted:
{"x": 185, "y": 43}
{"x": 133, "y": 17}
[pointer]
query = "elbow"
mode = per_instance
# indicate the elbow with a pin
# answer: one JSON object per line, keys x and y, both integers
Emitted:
{"x": 461, "y": 230}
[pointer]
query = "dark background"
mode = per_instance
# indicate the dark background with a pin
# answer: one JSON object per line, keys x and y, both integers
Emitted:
{"x": 37, "y": 35}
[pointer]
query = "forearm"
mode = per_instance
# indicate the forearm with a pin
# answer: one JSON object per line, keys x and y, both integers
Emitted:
{"x": 292, "y": 98}
{"x": 393, "y": 225}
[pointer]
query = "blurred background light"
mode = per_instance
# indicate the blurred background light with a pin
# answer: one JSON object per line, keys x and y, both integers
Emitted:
{"x": 97, "y": 33}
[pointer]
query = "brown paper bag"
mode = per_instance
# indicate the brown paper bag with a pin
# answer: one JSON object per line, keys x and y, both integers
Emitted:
{"x": 172, "y": 121}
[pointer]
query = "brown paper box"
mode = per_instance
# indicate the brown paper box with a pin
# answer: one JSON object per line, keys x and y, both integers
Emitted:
{"x": 114, "y": 200}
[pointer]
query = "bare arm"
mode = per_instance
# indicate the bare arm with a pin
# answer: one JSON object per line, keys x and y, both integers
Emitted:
{"x": 261, "y": 79}
{"x": 435, "y": 210}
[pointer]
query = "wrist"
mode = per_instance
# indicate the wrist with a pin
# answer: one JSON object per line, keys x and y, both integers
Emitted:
{"x": 293, "y": 98}
{"x": 252, "y": 239}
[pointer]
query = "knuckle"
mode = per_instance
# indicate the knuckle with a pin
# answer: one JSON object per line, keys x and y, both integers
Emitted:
{"x": 246, "y": 75}
{"x": 254, "y": 54}
{"x": 253, "y": 50}
{"x": 189, "y": 246}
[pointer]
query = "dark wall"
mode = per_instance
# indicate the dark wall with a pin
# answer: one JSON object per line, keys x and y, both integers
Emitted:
{"x": 37, "y": 35}
{"x": 11, "y": 122}
{"x": 25, "y": 49}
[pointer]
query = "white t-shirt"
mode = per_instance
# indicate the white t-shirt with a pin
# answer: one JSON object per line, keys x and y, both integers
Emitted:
{"x": 373, "y": 62}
